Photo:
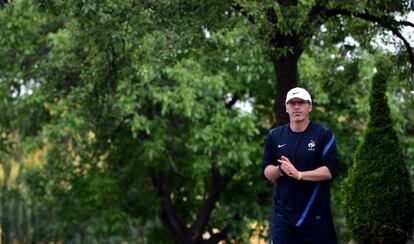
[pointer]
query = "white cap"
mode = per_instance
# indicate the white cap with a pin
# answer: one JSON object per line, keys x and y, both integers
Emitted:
{"x": 298, "y": 92}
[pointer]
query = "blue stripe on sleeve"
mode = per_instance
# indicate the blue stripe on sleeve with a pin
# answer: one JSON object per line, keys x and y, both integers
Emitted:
{"x": 331, "y": 141}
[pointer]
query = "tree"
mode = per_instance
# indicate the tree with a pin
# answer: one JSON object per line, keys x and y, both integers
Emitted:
{"x": 131, "y": 132}
{"x": 378, "y": 196}
{"x": 289, "y": 26}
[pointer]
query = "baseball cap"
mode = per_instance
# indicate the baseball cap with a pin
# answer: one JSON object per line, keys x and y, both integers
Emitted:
{"x": 298, "y": 92}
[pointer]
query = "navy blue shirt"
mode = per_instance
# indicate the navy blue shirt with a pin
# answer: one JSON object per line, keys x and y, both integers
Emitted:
{"x": 307, "y": 150}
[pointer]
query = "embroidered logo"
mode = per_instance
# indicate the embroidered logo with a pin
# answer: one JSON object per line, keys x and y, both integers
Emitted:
{"x": 279, "y": 146}
{"x": 311, "y": 146}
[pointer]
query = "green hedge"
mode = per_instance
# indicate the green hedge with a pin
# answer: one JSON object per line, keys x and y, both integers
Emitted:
{"x": 378, "y": 201}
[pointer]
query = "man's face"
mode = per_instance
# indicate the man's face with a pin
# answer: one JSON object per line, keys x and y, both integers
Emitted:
{"x": 298, "y": 109}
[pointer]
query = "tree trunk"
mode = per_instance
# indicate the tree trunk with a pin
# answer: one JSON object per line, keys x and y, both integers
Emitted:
{"x": 5, "y": 221}
{"x": 286, "y": 79}
{"x": 286, "y": 49}
{"x": 178, "y": 230}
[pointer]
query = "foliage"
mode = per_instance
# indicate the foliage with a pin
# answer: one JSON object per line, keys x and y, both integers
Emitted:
{"x": 378, "y": 195}
{"x": 137, "y": 109}
{"x": 113, "y": 117}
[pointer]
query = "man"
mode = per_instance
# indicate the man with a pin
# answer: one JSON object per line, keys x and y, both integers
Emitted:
{"x": 301, "y": 157}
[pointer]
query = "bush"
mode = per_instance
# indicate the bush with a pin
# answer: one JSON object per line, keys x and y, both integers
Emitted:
{"x": 378, "y": 196}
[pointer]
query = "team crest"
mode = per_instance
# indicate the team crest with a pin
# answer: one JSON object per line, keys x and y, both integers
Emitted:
{"x": 311, "y": 146}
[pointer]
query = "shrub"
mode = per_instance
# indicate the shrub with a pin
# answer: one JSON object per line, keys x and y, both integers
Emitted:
{"x": 378, "y": 199}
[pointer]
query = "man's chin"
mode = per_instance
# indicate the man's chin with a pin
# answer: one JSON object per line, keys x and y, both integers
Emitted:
{"x": 298, "y": 119}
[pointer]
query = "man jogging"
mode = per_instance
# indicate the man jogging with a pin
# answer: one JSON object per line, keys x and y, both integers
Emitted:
{"x": 301, "y": 157}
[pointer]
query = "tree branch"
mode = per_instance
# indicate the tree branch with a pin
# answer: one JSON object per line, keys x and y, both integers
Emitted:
{"x": 387, "y": 23}
{"x": 406, "y": 23}
{"x": 233, "y": 101}
{"x": 218, "y": 183}
{"x": 162, "y": 181}
{"x": 313, "y": 20}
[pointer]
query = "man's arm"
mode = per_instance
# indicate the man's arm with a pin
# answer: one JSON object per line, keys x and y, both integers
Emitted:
{"x": 319, "y": 174}
{"x": 268, "y": 165}
{"x": 330, "y": 155}
{"x": 272, "y": 172}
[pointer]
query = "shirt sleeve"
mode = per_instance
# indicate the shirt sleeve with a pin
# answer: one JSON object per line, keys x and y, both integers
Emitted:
{"x": 269, "y": 155}
{"x": 329, "y": 154}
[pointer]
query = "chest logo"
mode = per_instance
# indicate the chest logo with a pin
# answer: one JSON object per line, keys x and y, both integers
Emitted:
{"x": 281, "y": 145}
{"x": 311, "y": 145}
